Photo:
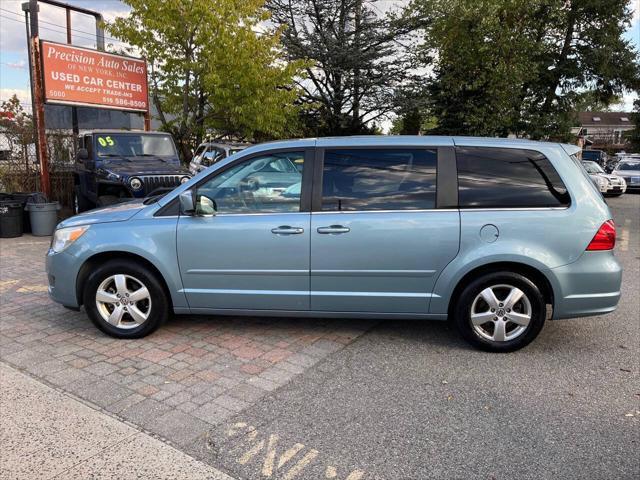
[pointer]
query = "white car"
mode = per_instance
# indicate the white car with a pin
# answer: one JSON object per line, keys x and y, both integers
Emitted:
{"x": 607, "y": 183}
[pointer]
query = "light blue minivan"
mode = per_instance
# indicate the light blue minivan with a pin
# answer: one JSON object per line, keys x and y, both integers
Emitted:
{"x": 498, "y": 235}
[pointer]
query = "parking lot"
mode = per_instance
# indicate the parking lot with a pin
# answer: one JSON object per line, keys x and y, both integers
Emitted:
{"x": 349, "y": 399}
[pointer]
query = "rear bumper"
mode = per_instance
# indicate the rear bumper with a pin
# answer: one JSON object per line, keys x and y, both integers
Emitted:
{"x": 589, "y": 286}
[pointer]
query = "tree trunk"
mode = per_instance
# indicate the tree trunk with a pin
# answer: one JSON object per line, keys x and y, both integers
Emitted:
{"x": 562, "y": 58}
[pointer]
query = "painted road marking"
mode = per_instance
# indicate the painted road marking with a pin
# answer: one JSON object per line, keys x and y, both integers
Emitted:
{"x": 32, "y": 288}
{"x": 253, "y": 446}
{"x": 7, "y": 284}
{"x": 623, "y": 244}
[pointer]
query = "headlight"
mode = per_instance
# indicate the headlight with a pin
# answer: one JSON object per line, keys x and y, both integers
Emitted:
{"x": 135, "y": 183}
{"x": 185, "y": 179}
{"x": 66, "y": 236}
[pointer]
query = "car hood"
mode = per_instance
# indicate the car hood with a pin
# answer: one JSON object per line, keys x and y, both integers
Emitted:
{"x": 148, "y": 166}
{"x": 113, "y": 213}
{"x": 627, "y": 173}
{"x": 608, "y": 176}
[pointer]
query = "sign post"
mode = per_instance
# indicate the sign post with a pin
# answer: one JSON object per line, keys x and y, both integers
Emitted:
{"x": 38, "y": 102}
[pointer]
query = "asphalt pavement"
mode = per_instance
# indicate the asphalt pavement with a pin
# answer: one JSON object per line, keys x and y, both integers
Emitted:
{"x": 410, "y": 400}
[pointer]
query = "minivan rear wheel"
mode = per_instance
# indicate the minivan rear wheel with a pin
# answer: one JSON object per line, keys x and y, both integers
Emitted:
{"x": 125, "y": 299}
{"x": 500, "y": 312}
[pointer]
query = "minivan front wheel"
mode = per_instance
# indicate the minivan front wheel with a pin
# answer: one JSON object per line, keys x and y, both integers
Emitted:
{"x": 500, "y": 312}
{"x": 125, "y": 299}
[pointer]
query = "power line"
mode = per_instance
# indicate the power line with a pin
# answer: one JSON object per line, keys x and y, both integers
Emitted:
{"x": 55, "y": 31}
{"x": 93, "y": 35}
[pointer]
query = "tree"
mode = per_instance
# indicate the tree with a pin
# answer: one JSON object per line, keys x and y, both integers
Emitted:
{"x": 517, "y": 66}
{"x": 634, "y": 136}
{"x": 358, "y": 60}
{"x": 212, "y": 67}
{"x": 16, "y": 125}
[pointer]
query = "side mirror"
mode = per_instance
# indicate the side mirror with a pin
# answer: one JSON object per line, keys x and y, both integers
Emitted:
{"x": 83, "y": 154}
{"x": 187, "y": 202}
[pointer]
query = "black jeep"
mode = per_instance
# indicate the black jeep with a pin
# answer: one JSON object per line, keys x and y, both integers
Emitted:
{"x": 114, "y": 165}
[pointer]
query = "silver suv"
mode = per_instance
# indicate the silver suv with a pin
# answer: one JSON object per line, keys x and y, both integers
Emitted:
{"x": 209, "y": 153}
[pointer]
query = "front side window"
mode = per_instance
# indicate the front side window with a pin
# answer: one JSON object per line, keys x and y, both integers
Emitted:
{"x": 507, "y": 178}
{"x": 384, "y": 179}
{"x": 265, "y": 184}
{"x": 213, "y": 155}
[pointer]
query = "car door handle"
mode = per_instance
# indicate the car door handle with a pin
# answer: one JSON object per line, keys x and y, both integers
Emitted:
{"x": 287, "y": 230}
{"x": 333, "y": 229}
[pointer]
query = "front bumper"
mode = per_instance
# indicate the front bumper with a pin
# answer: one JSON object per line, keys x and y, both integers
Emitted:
{"x": 588, "y": 286}
{"x": 60, "y": 268}
{"x": 614, "y": 189}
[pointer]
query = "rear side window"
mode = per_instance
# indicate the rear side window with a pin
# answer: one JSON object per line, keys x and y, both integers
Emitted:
{"x": 508, "y": 178}
{"x": 386, "y": 179}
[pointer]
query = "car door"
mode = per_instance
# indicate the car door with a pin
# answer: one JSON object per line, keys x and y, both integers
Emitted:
{"x": 253, "y": 253}
{"x": 384, "y": 225}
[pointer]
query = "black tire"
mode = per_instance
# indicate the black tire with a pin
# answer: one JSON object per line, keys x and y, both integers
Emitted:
{"x": 106, "y": 200}
{"x": 80, "y": 202}
{"x": 158, "y": 306}
{"x": 536, "y": 306}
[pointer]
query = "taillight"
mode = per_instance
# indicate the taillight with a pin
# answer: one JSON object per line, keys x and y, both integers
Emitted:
{"x": 605, "y": 239}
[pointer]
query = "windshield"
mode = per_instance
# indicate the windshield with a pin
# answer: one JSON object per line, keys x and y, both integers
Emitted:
{"x": 592, "y": 167}
{"x": 134, "y": 145}
{"x": 628, "y": 166}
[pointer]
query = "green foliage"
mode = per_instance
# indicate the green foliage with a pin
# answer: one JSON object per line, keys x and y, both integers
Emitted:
{"x": 15, "y": 123}
{"x": 213, "y": 67}
{"x": 517, "y": 66}
{"x": 358, "y": 60}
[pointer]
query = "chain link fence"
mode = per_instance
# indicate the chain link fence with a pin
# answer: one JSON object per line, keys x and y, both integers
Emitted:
{"x": 20, "y": 170}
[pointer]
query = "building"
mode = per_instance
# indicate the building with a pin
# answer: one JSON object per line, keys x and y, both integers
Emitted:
{"x": 604, "y": 130}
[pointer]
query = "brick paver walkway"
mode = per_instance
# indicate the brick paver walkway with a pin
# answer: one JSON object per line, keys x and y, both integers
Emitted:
{"x": 194, "y": 372}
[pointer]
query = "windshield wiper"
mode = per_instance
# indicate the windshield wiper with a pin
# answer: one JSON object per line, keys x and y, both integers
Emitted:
{"x": 152, "y": 155}
{"x": 114, "y": 155}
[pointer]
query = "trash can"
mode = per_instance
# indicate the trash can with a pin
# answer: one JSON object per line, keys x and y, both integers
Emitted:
{"x": 43, "y": 217}
{"x": 10, "y": 218}
{"x": 24, "y": 198}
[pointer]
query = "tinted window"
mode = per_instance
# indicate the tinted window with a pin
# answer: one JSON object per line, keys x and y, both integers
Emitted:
{"x": 507, "y": 178}
{"x": 269, "y": 183}
{"x": 368, "y": 179}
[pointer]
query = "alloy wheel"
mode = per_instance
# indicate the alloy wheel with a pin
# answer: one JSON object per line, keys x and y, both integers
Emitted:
{"x": 500, "y": 313}
{"x": 123, "y": 301}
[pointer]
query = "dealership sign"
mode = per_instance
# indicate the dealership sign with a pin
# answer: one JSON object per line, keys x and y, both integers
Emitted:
{"x": 81, "y": 76}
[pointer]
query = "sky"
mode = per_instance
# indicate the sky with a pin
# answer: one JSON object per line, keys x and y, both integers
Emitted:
{"x": 14, "y": 65}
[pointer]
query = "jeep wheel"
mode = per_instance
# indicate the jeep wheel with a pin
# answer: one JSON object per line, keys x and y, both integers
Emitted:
{"x": 80, "y": 202}
{"x": 125, "y": 299}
